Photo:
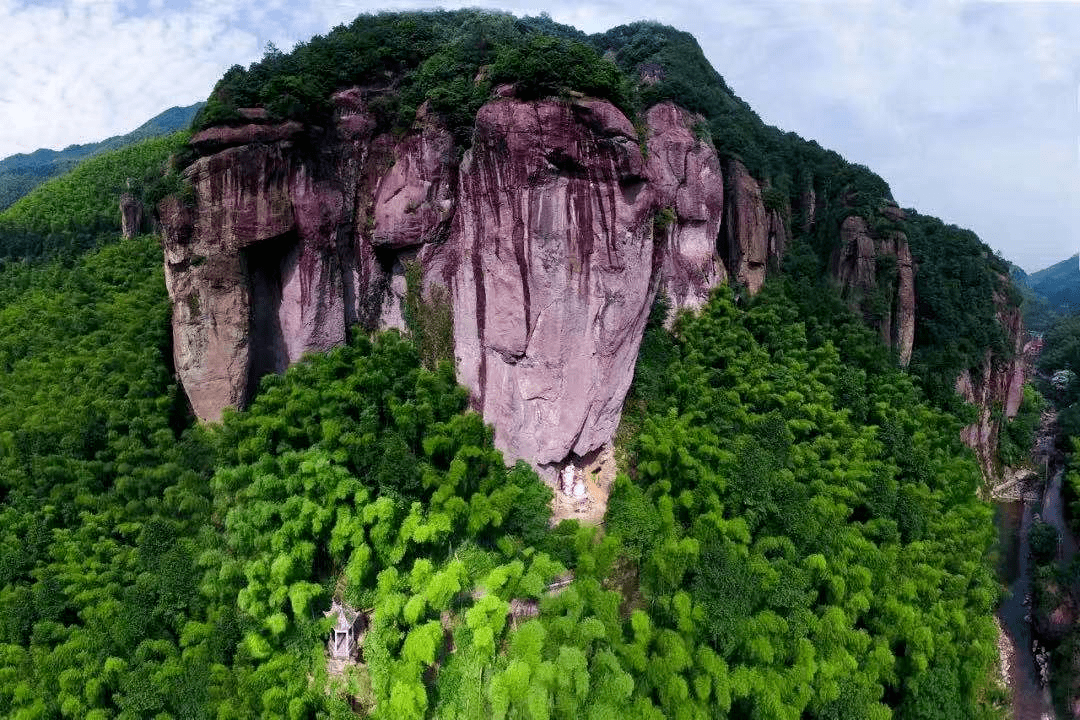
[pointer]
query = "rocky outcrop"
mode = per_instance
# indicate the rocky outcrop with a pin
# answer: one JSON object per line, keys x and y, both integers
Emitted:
{"x": 217, "y": 138}
{"x": 131, "y": 215}
{"x": 553, "y": 273}
{"x": 554, "y": 262}
{"x": 248, "y": 272}
{"x": 877, "y": 277}
{"x": 550, "y": 239}
{"x": 745, "y": 240}
{"x": 996, "y": 388}
{"x": 688, "y": 185}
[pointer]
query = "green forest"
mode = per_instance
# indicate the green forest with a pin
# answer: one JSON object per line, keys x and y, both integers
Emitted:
{"x": 19, "y": 174}
{"x": 796, "y": 531}
{"x": 156, "y": 569}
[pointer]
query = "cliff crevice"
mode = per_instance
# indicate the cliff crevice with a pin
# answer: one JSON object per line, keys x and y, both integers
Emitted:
{"x": 549, "y": 237}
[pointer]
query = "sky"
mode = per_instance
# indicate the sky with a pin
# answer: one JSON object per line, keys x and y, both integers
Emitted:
{"x": 970, "y": 110}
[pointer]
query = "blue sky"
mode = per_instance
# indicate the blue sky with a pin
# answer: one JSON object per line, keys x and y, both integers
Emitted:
{"x": 970, "y": 111}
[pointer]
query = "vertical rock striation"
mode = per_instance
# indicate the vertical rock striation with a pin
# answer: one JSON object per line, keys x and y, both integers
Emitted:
{"x": 876, "y": 274}
{"x": 996, "y": 388}
{"x": 291, "y": 242}
{"x": 745, "y": 240}
{"x": 688, "y": 187}
{"x": 550, "y": 238}
{"x": 554, "y": 261}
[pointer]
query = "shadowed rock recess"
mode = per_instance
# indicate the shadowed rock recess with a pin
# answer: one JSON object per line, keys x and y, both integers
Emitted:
{"x": 550, "y": 238}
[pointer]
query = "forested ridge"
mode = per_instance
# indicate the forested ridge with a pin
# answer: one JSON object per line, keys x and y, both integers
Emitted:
{"x": 795, "y": 531}
{"x": 21, "y": 173}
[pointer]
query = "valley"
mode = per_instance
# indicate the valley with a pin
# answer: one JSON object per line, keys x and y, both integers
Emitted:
{"x": 541, "y": 375}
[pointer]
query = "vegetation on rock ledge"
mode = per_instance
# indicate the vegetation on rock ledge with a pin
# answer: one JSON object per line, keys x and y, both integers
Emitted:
{"x": 796, "y": 533}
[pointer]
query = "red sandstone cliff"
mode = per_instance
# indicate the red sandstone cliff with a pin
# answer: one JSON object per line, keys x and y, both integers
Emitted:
{"x": 997, "y": 387}
{"x": 551, "y": 237}
{"x": 877, "y": 277}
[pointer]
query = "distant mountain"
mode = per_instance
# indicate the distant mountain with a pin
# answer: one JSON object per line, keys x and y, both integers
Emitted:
{"x": 1059, "y": 285}
{"x": 1038, "y": 315}
{"x": 19, "y": 174}
{"x": 1048, "y": 293}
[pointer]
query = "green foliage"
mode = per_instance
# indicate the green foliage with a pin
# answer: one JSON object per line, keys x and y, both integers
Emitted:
{"x": 1056, "y": 289}
{"x": 99, "y": 497}
{"x": 544, "y": 66}
{"x": 773, "y": 198}
{"x": 795, "y": 535}
{"x": 1061, "y": 351}
{"x": 1039, "y": 314}
{"x": 430, "y": 319}
{"x": 449, "y": 59}
{"x": 957, "y": 320}
{"x": 1043, "y": 540}
{"x": 19, "y": 174}
{"x": 81, "y": 209}
{"x": 1018, "y": 434}
{"x": 1070, "y": 489}
{"x": 1061, "y": 356}
{"x": 834, "y": 567}
{"x": 662, "y": 221}
{"x": 148, "y": 570}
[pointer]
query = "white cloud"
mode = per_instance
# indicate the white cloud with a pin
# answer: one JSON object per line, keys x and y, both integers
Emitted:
{"x": 969, "y": 109}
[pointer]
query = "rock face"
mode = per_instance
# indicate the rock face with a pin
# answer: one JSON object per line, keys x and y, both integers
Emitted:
{"x": 546, "y": 243}
{"x": 747, "y": 228}
{"x": 688, "y": 186}
{"x": 553, "y": 262}
{"x": 550, "y": 239}
{"x": 997, "y": 387}
{"x": 877, "y": 277}
{"x": 131, "y": 215}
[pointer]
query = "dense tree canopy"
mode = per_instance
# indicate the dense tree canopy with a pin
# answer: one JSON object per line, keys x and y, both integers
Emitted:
{"x": 1059, "y": 367}
{"x": 795, "y": 532}
{"x": 80, "y": 210}
{"x": 768, "y": 556}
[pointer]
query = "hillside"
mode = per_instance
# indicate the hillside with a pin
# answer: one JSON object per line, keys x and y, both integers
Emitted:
{"x": 79, "y": 210}
{"x": 21, "y": 173}
{"x": 1039, "y": 314}
{"x": 387, "y": 260}
{"x": 1059, "y": 285}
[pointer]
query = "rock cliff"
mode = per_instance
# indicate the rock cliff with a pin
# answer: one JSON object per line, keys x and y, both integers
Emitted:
{"x": 752, "y": 235}
{"x": 996, "y": 388}
{"x": 131, "y": 215}
{"x": 549, "y": 238}
{"x": 877, "y": 277}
